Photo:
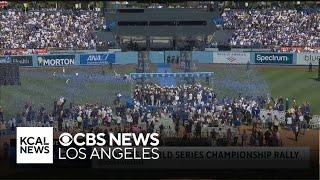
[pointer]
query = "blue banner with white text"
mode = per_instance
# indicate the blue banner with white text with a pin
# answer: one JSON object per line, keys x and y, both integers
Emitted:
{"x": 96, "y": 59}
{"x": 273, "y": 58}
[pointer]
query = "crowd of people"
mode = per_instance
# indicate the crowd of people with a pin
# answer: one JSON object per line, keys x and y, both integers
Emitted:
{"x": 187, "y": 111}
{"x": 50, "y": 28}
{"x": 196, "y": 108}
{"x": 273, "y": 27}
{"x": 73, "y": 29}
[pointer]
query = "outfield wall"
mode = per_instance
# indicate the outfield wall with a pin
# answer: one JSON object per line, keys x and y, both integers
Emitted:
{"x": 273, "y": 58}
{"x": 131, "y": 57}
{"x": 307, "y": 58}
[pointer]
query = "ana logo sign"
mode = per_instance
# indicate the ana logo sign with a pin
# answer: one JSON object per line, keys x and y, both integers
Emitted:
{"x": 58, "y": 60}
{"x": 97, "y": 58}
{"x": 34, "y": 145}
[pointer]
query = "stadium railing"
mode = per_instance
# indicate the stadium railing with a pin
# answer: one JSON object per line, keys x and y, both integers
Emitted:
{"x": 236, "y": 56}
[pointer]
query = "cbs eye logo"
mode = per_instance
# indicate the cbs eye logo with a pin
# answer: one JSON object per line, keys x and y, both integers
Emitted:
{"x": 65, "y": 139}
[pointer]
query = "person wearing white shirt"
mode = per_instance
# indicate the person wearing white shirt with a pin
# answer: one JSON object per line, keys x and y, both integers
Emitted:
{"x": 289, "y": 122}
{"x": 301, "y": 121}
{"x": 149, "y": 116}
{"x": 301, "y": 118}
{"x": 79, "y": 120}
{"x": 199, "y": 97}
{"x": 190, "y": 97}
{"x": 152, "y": 99}
{"x": 118, "y": 118}
{"x": 103, "y": 113}
{"x": 199, "y": 111}
{"x": 129, "y": 119}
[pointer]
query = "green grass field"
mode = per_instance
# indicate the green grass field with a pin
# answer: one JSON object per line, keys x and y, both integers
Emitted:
{"x": 38, "y": 86}
{"x": 295, "y": 83}
{"x": 287, "y": 82}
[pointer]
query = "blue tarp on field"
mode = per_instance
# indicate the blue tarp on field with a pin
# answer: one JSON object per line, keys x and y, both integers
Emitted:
{"x": 165, "y": 80}
{"x": 175, "y": 75}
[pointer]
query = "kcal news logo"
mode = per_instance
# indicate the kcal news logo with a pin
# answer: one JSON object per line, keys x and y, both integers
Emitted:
{"x": 34, "y": 145}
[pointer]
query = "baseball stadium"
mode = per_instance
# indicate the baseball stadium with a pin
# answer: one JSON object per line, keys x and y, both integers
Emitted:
{"x": 228, "y": 74}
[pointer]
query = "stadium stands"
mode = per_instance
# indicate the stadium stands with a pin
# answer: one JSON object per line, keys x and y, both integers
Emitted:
{"x": 73, "y": 29}
{"x": 273, "y": 27}
{"x": 65, "y": 29}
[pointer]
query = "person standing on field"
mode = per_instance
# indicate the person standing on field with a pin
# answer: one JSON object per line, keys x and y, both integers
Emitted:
{"x": 244, "y": 138}
{"x": 310, "y": 67}
{"x": 296, "y": 131}
{"x": 248, "y": 65}
{"x": 1, "y": 113}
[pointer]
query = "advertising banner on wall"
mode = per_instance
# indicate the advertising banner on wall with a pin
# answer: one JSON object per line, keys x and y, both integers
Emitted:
{"x": 93, "y": 59}
{"x": 4, "y": 59}
{"x": 40, "y": 51}
{"x": 56, "y": 60}
{"x": 307, "y": 58}
{"x": 22, "y": 60}
{"x": 299, "y": 49}
{"x": 3, "y": 4}
{"x": 231, "y": 57}
{"x": 273, "y": 58}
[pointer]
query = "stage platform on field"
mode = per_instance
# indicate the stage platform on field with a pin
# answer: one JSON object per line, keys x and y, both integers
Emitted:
{"x": 175, "y": 75}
